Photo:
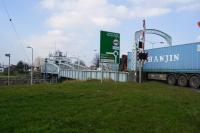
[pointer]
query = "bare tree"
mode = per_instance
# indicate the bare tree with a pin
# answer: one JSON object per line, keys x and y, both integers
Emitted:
{"x": 81, "y": 62}
{"x": 22, "y": 67}
{"x": 96, "y": 61}
{"x": 38, "y": 61}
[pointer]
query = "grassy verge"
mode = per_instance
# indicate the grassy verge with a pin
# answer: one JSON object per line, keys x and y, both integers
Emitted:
{"x": 94, "y": 107}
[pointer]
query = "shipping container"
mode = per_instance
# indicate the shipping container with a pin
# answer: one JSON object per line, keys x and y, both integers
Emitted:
{"x": 180, "y": 58}
{"x": 177, "y": 64}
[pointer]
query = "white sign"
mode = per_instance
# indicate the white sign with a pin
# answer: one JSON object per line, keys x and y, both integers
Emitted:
{"x": 164, "y": 58}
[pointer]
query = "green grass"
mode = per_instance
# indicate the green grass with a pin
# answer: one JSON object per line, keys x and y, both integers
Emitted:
{"x": 75, "y": 107}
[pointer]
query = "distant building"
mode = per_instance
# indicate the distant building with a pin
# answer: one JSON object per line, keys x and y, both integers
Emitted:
{"x": 123, "y": 63}
{"x": 12, "y": 68}
{"x": 1, "y": 69}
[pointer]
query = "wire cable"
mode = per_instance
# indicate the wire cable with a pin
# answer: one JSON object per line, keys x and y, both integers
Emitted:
{"x": 14, "y": 29}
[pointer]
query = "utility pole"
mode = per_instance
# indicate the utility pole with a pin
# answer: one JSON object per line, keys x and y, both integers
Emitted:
{"x": 8, "y": 55}
{"x": 31, "y": 66}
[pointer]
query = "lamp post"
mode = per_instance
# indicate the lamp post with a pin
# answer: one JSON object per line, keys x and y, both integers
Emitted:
{"x": 8, "y": 55}
{"x": 45, "y": 75}
{"x": 31, "y": 65}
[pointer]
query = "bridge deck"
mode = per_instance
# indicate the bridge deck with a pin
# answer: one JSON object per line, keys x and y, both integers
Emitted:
{"x": 50, "y": 68}
{"x": 92, "y": 74}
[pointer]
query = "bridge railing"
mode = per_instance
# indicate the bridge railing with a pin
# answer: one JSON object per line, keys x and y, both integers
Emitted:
{"x": 50, "y": 68}
{"x": 93, "y": 74}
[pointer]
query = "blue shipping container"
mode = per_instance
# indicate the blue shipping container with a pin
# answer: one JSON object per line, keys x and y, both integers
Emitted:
{"x": 180, "y": 58}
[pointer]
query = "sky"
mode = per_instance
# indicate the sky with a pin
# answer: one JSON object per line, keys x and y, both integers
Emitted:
{"x": 73, "y": 26}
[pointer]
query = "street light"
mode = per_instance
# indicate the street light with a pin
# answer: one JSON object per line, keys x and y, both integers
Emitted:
{"x": 31, "y": 65}
{"x": 8, "y": 55}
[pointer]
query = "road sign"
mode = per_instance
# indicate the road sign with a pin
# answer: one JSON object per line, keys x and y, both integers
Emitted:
{"x": 109, "y": 47}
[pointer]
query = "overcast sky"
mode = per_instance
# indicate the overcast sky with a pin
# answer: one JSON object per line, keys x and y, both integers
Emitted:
{"x": 73, "y": 26}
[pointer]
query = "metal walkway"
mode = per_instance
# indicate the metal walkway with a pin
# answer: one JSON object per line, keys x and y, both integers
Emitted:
{"x": 70, "y": 67}
{"x": 52, "y": 69}
{"x": 92, "y": 74}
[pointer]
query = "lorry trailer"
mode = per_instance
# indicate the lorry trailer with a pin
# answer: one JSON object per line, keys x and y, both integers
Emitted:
{"x": 179, "y": 64}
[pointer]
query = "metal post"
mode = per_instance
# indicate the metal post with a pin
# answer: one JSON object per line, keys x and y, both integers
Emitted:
{"x": 45, "y": 70}
{"x": 31, "y": 66}
{"x": 144, "y": 30}
{"x": 32, "y": 69}
{"x": 8, "y": 55}
{"x": 116, "y": 73}
{"x": 59, "y": 67}
{"x": 9, "y": 71}
{"x": 45, "y": 75}
{"x": 78, "y": 66}
{"x": 115, "y": 76}
{"x": 102, "y": 72}
{"x": 140, "y": 72}
{"x": 141, "y": 62}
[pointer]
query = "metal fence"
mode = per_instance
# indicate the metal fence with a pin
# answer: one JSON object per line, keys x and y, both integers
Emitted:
{"x": 51, "y": 68}
{"x": 4, "y": 82}
{"x": 92, "y": 74}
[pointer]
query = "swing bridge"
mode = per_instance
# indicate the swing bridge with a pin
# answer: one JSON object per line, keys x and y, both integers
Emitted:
{"x": 59, "y": 66}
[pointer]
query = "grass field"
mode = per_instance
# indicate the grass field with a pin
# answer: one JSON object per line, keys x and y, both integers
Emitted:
{"x": 82, "y": 107}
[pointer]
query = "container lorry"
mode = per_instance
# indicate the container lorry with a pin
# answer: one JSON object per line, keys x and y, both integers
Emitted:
{"x": 178, "y": 65}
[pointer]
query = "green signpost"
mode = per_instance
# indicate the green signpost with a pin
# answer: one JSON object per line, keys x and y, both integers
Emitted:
{"x": 109, "y": 47}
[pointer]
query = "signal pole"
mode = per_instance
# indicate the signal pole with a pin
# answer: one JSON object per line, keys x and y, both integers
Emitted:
{"x": 144, "y": 30}
{"x": 142, "y": 51}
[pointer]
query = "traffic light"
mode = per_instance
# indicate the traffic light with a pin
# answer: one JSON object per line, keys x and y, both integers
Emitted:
{"x": 137, "y": 55}
{"x": 142, "y": 56}
{"x": 140, "y": 44}
{"x": 145, "y": 56}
